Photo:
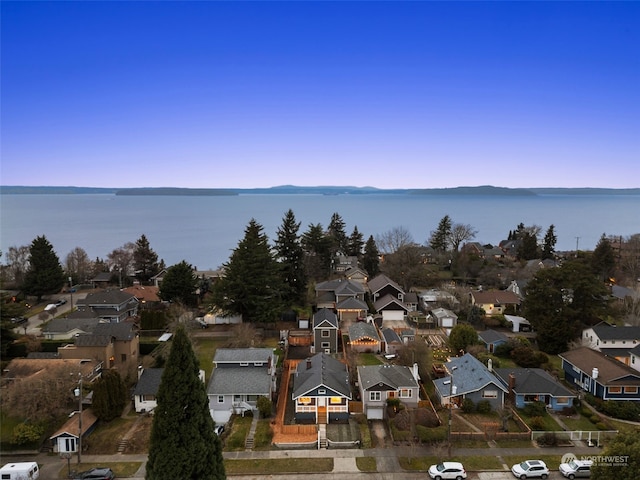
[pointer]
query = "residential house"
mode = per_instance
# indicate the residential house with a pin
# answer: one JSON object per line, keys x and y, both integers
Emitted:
{"x": 33, "y": 369}
{"x": 240, "y": 377}
{"x": 101, "y": 280}
{"x": 615, "y": 341}
{"x": 147, "y": 296}
{"x": 600, "y": 375}
{"x": 158, "y": 277}
{"x": 391, "y": 308}
{"x": 518, "y": 324}
{"x": 117, "y": 345}
{"x": 495, "y": 302}
{"x": 468, "y": 377}
{"x": 357, "y": 274}
{"x": 492, "y": 339}
{"x": 529, "y": 385}
{"x": 364, "y": 338}
{"x": 66, "y": 439}
{"x": 411, "y": 301}
{"x": 67, "y": 328}
{"x": 391, "y": 341}
{"x": 634, "y": 358}
{"x": 381, "y": 286}
{"x": 321, "y": 390}
{"x": 344, "y": 296}
{"x": 144, "y": 395}
{"x": 484, "y": 252}
{"x": 518, "y": 287}
{"x": 110, "y": 305}
{"x": 444, "y": 318}
{"x": 379, "y": 383}
{"x": 342, "y": 263}
{"x": 325, "y": 331}
{"x": 428, "y": 299}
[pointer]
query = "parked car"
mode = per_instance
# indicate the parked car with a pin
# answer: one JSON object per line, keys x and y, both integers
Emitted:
{"x": 530, "y": 469}
{"x": 576, "y": 469}
{"x": 18, "y": 320}
{"x": 95, "y": 474}
{"x": 218, "y": 429}
{"x": 62, "y": 301}
{"x": 447, "y": 470}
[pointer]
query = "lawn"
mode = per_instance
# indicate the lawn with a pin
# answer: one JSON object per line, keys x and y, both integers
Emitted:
{"x": 550, "y": 425}
{"x": 369, "y": 359}
{"x": 366, "y": 464}
{"x": 121, "y": 469}
{"x": 205, "y": 349}
{"x": 264, "y": 467}
{"x": 238, "y": 433}
{"x": 580, "y": 423}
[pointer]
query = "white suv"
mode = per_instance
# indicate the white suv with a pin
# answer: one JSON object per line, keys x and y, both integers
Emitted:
{"x": 530, "y": 469}
{"x": 576, "y": 469}
{"x": 447, "y": 471}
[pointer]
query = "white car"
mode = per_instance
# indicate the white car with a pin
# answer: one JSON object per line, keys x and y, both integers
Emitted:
{"x": 576, "y": 469}
{"x": 447, "y": 471}
{"x": 530, "y": 469}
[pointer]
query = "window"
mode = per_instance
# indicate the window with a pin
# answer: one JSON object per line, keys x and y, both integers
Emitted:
{"x": 335, "y": 400}
{"x": 562, "y": 400}
{"x": 374, "y": 396}
{"x": 147, "y": 398}
{"x": 326, "y": 333}
{"x": 305, "y": 400}
{"x": 405, "y": 393}
{"x": 490, "y": 394}
{"x": 220, "y": 398}
{"x": 322, "y": 391}
{"x": 244, "y": 364}
{"x": 123, "y": 357}
{"x": 257, "y": 364}
{"x": 615, "y": 389}
{"x": 630, "y": 389}
{"x": 326, "y": 345}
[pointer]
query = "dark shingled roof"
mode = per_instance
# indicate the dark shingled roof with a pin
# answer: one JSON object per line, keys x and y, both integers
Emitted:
{"x": 149, "y": 381}
{"x": 533, "y": 381}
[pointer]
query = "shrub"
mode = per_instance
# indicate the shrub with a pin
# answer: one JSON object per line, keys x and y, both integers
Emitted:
{"x": 431, "y": 435}
{"x": 601, "y": 426}
{"x": 527, "y": 357}
{"x": 535, "y": 409}
{"x": 548, "y": 439}
{"x": 264, "y": 407}
{"x": 537, "y": 423}
{"x": 568, "y": 411}
{"x": 425, "y": 417}
{"x": 484, "y": 406}
{"x": 25, "y": 433}
{"x": 468, "y": 406}
{"x": 402, "y": 420}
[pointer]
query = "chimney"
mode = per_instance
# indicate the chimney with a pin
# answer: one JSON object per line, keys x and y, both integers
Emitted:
{"x": 415, "y": 372}
{"x": 594, "y": 373}
{"x": 140, "y": 370}
{"x": 512, "y": 385}
{"x": 308, "y": 363}
{"x": 490, "y": 365}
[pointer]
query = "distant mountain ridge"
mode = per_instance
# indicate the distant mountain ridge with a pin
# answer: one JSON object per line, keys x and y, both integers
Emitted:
{"x": 318, "y": 190}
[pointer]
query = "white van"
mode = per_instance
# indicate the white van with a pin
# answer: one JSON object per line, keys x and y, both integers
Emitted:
{"x": 20, "y": 471}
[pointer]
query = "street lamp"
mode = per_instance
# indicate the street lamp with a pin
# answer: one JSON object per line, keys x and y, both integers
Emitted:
{"x": 78, "y": 393}
{"x": 71, "y": 292}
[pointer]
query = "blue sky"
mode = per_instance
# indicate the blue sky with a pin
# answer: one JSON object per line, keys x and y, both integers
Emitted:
{"x": 384, "y": 94}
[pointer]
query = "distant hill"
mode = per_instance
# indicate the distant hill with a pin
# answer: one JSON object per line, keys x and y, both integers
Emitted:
{"x": 319, "y": 190}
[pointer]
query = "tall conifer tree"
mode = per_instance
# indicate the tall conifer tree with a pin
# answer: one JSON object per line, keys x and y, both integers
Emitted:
{"x": 183, "y": 444}
{"x": 371, "y": 257}
{"x": 291, "y": 258}
{"x": 45, "y": 275}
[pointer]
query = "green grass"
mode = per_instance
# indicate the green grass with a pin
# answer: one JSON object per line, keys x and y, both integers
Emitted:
{"x": 369, "y": 359}
{"x": 238, "y": 434}
{"x": 366, "y": 464}
{"x": 121, "y": 469}
{"x": 550, "y": 425}
{"x": 205, "y": 349}
{"x": 580, "y": 423}
{"x": 470, "y": 462}
{"x": 264, "y": 467}
{"x": 514, "y": 443}
{"x": 263, "y": 436}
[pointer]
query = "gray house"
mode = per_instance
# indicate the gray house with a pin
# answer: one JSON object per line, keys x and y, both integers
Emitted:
{"x": 364, "y": 338}
{"x": 325, "y": 331}
{"x": 467, "y": 377}
{"x": 111, "y": 306}
{"x": 492, "y": 339}
{"x": 240, "y": 377}
{"x": 378, "y": 383}
{"x": 144, "y": 395}
{"x": 529, "y": 385}
{"x": 321, "y": 390}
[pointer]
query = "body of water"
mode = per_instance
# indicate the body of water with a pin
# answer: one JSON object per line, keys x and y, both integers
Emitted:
{"x": 204, "y": 230}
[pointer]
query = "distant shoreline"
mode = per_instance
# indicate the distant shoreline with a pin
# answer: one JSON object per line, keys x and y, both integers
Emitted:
{"x": 320, "y": 190}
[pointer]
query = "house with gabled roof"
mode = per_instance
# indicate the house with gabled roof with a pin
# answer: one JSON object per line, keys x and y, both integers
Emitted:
{"x": 67, "y": 328}
{"x": 321, "y": 391}
{"x": 615, "y": 341}
{"x": 144, "y": 394}
{"x": 468, "y": 377}
{"x": 117, "y": 345}
{"x": 495, "y": 302}
{"x": 240, "y": 377}
{"x": 364, "y": 338}
{"x": 357, "y": 274}
{"x": 391, "y": 308}
{"x": 379, "y": 383}
{"x": 381, "y": 285}
{"x": 600, "y": 375}
{"x": 325, "y": 331}
{"x": 391, "y": 341}
{"x": 444, "y": 318}
{"x": 492, "y": 339}
{"x": 332, "y": 294}
{"x": 529, "y": 385}
{"x": 66, "y": 438}
{"x": 111, "y": 306}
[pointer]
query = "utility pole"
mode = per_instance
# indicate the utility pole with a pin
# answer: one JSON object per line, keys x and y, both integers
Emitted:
{"x": 79, "y": 394}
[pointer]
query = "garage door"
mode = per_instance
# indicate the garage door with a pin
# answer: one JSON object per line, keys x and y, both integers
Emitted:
{"x": 393, "y": 315}
{"x": 375, "y": 414}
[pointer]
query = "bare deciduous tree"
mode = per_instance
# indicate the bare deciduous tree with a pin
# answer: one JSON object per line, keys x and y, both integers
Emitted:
{"x": 393, "y": 240}
{"x": 461, "y": 233}
{"x": 122, "y": 258}
{"x": 78, "y": 265}
{"x": 17, "y": 264}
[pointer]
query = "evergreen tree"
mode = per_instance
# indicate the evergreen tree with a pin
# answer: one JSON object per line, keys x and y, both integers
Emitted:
{"x": 317, "y": 249}
{"x": 183, "y": 444}
{"x": 528, "y": 247}
{"x": 603, "y": 259}
{"x": 549, "y": 245}
{"x": 251, "y": 285}
{"x": 626, "y": 447}
{"x": 291, "y": 257}
{"x": 179, "y": 283}
{"x": 145, "y": 260}
{"x": 337, "y": 234}
{"x": 109, "y": 396}
{"x": 371, "y": 258}
{"x": 45, "y": 275}
{"x": 355, "y": 243}
{"x": 440, "y": 238}
{"x": 462, "y": 336}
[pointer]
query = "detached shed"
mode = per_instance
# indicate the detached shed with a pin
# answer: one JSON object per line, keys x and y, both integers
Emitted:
{"x": 520, "y": 324}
